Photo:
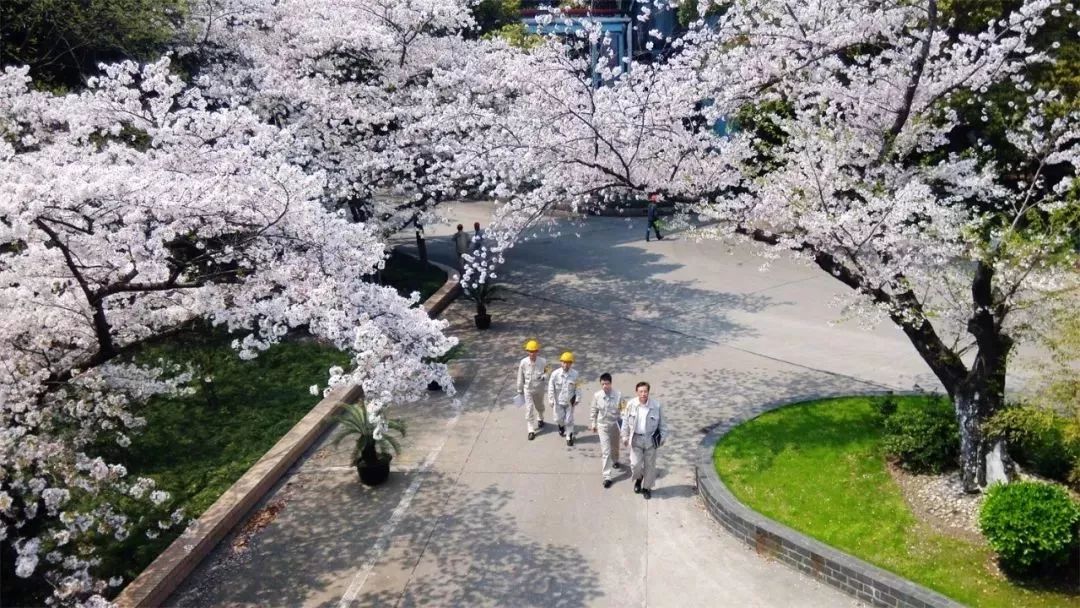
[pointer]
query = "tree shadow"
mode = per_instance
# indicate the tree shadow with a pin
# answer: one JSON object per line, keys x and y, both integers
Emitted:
{"x": 466, "y": 548}
{"x": 606, "y": 273}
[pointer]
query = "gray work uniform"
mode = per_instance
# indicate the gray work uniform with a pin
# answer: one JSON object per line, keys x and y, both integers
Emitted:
{"x": 604, "y": 415}
{"x": 462, "y": 241}
{"x": 562, "y": 392}
{"x": 639, "y": 438}
{"x": 530, "y": 385}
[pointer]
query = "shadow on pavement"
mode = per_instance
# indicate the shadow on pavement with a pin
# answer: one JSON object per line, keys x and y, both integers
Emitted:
{"x": 476, "y": 555}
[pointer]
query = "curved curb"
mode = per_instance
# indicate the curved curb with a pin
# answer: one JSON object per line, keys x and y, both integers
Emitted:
{"x": 160, "y": 579}
{"x": 446, "y": 294}
{"x": 771, "y": 539}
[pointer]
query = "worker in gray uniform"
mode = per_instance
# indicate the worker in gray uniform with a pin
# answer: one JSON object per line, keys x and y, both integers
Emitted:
{"x": 562, "y": 394}
{"x": 644, "y": 430}
{"x": 604, "y": 416}
{"x": 531, "y": 381}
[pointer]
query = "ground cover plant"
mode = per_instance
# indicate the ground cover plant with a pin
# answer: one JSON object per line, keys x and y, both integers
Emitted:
{"x": 820, "y": 468}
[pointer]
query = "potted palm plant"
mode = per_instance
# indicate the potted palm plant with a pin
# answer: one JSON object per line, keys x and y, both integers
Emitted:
{"x": 483, "y": 294}
{"x": 454, "y": 352}
{"x": 375, "y": 446}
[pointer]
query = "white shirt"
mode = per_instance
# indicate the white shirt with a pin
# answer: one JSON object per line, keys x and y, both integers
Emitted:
{"x": 642, "y": 418}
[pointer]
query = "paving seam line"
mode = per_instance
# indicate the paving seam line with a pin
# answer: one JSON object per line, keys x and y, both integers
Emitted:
{"x": 356, "y": 585}
{"x": 159, "y": 580}
{"x": 876, "y": 385}
{"x": 457, "y": 481}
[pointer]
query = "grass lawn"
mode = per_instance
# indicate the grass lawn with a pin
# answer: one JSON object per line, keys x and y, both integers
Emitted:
{"x": 196, "y": 446}
{"x": 818, "y": 468}
{"x": 406, "y": 274}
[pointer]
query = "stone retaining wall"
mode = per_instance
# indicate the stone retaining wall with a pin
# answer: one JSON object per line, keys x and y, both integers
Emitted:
{"x": 773, "y": 540}
{"x": 155, "y": 584}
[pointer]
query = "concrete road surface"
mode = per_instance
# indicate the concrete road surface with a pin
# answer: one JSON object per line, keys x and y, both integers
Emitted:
{"x": 475, "y": 514}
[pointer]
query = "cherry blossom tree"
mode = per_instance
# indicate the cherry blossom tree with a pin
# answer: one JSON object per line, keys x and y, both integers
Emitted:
{"x": 126, "y": 212}
{"x": 857, "y": 154}
{"x": 380, "y": 94}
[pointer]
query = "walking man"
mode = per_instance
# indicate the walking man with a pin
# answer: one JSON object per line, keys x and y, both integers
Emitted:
{"x": 531, "y": 376}
{"x": 604, "y": 418}
{"x": 461, "y": 245}
{"x": 653, "y": 216}
{"x": 562, "y": 393}
{"x": 643, "y": 431}
{"x": 478, "y": 237}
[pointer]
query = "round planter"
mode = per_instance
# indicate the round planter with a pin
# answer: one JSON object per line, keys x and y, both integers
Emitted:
{"x": 434, "y": 386}
{"x": 374, "y": 473}
{"x": 482, "y": 321}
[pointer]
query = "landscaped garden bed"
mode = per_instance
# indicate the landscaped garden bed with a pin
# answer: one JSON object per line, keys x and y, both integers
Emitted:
{"x": 820, "y": 467}
{"x": 408, "y": 274}
{"x": 195, "y": 446}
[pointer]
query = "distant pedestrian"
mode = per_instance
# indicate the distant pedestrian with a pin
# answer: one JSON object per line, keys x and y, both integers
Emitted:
{"x": 643, "y": 431}
{"x": 531, "y": 380}
{"x": 653, "y": 217}
{"x": 562, "y": 394}
{"x": 478, "y": 237}
{"x": 461, "y": 245}
{"x": 604, "y": 417}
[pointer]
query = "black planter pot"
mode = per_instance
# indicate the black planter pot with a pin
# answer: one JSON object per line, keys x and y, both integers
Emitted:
{"x": 482, "y": 321}
{"x": 434, "y": 386}
{"x": 374, "y": 473}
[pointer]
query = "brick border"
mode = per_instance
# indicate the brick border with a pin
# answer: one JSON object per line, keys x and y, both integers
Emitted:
{"x": 770, "y": 539}
{"x": 157, "y": 582}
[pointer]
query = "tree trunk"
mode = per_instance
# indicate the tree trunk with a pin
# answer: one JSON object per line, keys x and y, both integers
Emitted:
{"x": 982, "y": 461}
{"x": 981, "y": 393}
{"x": 976, "y": 392}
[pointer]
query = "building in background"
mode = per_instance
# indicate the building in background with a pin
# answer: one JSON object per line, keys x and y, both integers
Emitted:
{"x": 636, "y": 29}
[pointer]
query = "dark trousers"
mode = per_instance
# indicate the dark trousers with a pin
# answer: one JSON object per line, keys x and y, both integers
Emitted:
{"x": 655, "y": 228}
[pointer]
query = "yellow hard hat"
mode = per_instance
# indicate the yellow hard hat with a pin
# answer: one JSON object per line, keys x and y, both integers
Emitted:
{"x": 567, "y": 357}
{"x": 532, "y": 345}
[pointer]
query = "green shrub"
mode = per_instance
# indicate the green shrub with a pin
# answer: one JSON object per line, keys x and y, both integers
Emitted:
{"x": 884, "y": 406}
{"x": 1031, "y": 525}
{"x": 923, "y": 439}
{"x": 1037, "y": 439}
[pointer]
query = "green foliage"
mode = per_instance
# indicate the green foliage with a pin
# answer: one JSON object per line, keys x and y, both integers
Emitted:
{"x": 885, "y": 407}
{"x": 455, "y": 352}
{"x": 1060, "y": 381}
{"x": 63, "y": 41}
{"x": 407, "y": 274}
{"x": 688, "y": 12}
{"x": 482, "y": 294}
{"x": 357, "y": 423}
{"x": 493, "y": 15}
{"x": 517, "y": 35}
{"x": 196, "y": 446}
{"x": 923, "y": 439}
{"x": 1039, "y": 439}
{"x": 817, "y": 467}
{"x": 1032, "y": 526}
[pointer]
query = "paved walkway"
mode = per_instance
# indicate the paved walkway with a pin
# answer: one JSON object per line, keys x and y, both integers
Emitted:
{"x": 477, "y": 515}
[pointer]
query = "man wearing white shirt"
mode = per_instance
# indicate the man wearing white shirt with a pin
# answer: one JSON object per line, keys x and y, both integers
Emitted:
{"x": 643, "y": 431}
{"x": 604, "y": 417}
